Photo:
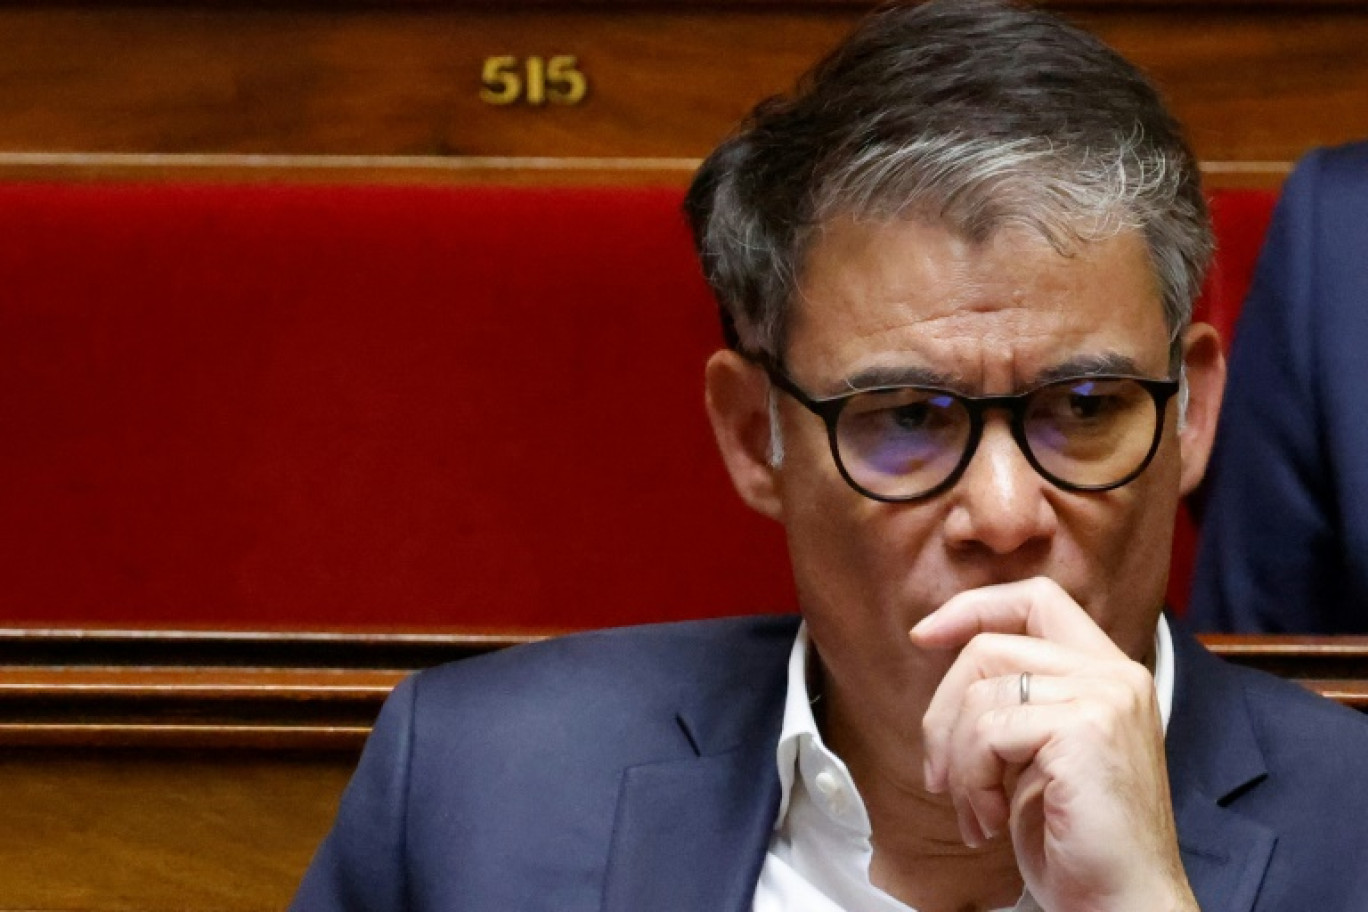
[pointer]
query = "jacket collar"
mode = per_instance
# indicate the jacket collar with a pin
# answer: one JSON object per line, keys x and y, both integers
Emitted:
{"x": 1214, "y": 757}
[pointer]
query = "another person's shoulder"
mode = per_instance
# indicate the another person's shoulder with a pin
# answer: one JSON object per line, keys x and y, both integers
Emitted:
{"x": 1346, "y": 164}
{"x": 1324, "y": 197}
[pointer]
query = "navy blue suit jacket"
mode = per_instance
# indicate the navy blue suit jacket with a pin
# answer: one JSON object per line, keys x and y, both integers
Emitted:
{"x": 1284, "y": 544}
{"x": 634, "y": 771}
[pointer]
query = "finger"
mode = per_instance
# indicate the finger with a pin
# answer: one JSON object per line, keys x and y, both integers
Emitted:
{"x": 1016, "y": 734}
{"x": 1027, "y": 821}
{"x": 1036, "y": 607}
{"x": 988, "y": 657}
{"x": 1017, "y": 737}
{"x": 958, "y": 732}
{"x": 974, "y": 774}
{"x": 995, "y": 734}
{"x": 970, "y": 830}
{"x": 990, "y": 775}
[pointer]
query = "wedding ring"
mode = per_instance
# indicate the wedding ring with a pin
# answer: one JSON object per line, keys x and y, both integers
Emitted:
{"x": 1024, "y": 687}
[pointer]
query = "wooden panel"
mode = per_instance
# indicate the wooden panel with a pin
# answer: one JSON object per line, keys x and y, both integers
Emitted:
{"x": 392, "y": 94}
{"x": 320, "y": 692}
{"x": 315, "y": 692}
{"x": 403, "y": 83}
{"x": 157, "y": 647}
{"x": 1253, "y": 87}
{"x": 120, "y": 830}
{"x": 1296, "y": 657}
{"x": 1334, "y": 667}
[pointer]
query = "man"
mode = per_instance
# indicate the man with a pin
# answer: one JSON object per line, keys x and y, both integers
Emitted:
{"x": 956, "y": 270}
{"x": 1293, "y": 438}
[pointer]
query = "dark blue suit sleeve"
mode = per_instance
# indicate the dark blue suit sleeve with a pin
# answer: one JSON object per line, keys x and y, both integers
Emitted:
{"x": 361, "y": 864}
{"x": 1283, "y": 537}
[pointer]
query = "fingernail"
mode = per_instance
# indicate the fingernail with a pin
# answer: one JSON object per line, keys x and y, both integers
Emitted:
{"x": 968, "y": 826}
{"x": 984, "y": 832}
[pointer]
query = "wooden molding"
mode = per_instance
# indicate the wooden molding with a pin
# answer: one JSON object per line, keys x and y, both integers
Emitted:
{"x": 242, "y": 90}
{"x": 231, "y": 167}
{"x": 320, "y": 691}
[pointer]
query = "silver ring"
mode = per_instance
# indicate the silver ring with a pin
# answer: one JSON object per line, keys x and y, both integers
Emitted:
{"x": 1024, "y": 687}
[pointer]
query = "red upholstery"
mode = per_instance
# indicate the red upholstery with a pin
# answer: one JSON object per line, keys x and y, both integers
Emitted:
{"x": 1241, "y": 220}
{"x": 256, "y": 406}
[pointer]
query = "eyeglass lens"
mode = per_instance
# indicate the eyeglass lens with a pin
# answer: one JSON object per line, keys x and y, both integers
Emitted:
{"x": 1088, "y": 432}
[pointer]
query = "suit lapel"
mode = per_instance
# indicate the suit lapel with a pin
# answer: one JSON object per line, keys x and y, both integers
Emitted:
{"x": 1224, "y": 854}
{"x": 691, "y": 835}
{"x": 691, "y": 832}
{"x": 1214, "y": 757}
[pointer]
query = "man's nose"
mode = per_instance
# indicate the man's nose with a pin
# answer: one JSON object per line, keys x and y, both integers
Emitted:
{"x": 999, "y": 501}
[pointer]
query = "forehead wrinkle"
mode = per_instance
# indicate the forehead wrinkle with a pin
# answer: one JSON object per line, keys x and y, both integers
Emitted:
{"x": 952, "y": 358}
{"x": 978, "y": 318}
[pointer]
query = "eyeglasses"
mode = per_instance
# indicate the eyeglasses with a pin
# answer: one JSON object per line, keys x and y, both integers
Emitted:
{"x": 905, "y": 443}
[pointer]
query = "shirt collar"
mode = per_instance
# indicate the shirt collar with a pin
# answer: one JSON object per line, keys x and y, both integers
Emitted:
{"x": 799, "y": 723}
{"x": 798, "y": 719}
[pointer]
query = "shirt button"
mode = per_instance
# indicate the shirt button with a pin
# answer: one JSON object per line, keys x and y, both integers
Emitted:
{"x": 830, "y": 787}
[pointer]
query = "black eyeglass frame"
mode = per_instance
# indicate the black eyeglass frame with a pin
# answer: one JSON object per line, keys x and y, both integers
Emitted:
{"x": 829, "y": 410}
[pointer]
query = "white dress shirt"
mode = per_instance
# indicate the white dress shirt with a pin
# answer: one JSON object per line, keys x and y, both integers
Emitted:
{"x": 820, "y": 850}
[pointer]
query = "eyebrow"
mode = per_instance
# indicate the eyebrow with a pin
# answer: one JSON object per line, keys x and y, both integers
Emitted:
{"x": 1091, "y": 365}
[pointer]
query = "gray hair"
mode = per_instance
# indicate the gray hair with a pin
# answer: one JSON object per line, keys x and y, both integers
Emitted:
{"x": 974, "y": 113}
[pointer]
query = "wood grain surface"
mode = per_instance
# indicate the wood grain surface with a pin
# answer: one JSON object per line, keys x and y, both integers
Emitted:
{"x": 125, "y": 831}
{"x": 275, "y": 692}
{"x": 365, "y": 93}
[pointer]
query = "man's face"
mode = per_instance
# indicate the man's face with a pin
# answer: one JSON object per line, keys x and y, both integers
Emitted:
{"x": 910, "y": 297}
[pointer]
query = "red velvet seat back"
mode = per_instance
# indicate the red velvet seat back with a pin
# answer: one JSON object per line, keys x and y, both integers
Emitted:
{"x": 255, "y": 406}
{"x": 1241, "y": 220}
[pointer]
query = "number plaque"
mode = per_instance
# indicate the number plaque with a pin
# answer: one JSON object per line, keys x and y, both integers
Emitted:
{"x": 534, "y": 81}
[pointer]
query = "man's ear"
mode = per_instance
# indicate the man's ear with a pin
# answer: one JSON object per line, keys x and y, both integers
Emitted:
{"x": 738, "y": 407}
{"x": 1204, "y": 363}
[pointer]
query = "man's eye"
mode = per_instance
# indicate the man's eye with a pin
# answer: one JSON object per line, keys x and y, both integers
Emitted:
{"x": 912, "y": 417}
{"x": 1087, "y": 408}
{"x": 928, "y": 413}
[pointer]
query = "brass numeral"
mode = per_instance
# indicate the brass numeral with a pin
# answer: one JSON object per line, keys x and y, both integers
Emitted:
{"x": 536, "y": 81}
{"x": 567, "y": 85}
{"x": 501, "y": 83}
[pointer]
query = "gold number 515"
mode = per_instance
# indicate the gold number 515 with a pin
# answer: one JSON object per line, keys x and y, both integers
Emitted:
{"x": 507, "y": 80}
